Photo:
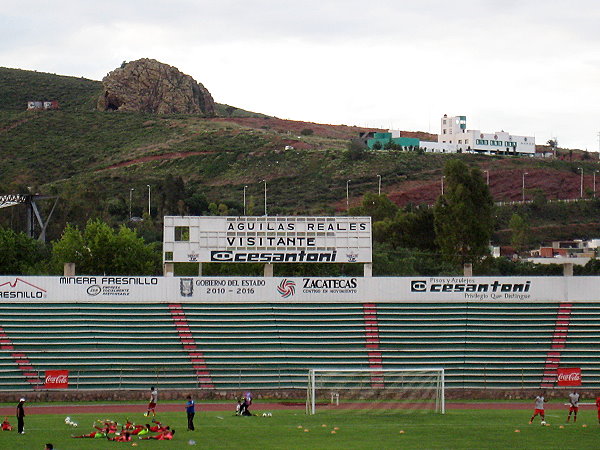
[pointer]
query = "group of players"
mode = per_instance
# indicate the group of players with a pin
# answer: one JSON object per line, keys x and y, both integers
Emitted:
{"x": 109, "y": 429}
{"x": 573, "y": 407}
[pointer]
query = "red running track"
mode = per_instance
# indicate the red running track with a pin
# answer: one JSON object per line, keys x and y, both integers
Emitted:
{"x": 259, "y": 406}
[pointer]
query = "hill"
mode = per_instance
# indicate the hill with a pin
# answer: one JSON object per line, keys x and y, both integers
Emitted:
{"x": 93, "y": 160}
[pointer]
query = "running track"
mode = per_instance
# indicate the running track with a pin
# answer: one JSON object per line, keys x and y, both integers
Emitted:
{"x": 259, "y": 406}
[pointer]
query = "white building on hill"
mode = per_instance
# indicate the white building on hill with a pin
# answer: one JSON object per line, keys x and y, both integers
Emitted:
{"x": 454, "y": 137}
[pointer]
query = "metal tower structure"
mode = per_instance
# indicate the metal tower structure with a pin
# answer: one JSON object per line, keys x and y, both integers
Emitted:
{"x": 30, "y": 202}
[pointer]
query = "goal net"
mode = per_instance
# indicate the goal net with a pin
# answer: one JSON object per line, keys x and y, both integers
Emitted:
{"x": 375, "y": 389}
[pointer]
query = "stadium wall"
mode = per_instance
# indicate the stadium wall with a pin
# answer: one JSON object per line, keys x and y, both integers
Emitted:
{"x": 216, "y": 335}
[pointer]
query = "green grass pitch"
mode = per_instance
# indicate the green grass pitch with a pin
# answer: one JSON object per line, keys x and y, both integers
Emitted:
{"x": 472, "y": 429}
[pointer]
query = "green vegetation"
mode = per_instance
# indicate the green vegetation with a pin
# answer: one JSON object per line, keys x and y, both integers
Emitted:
{"x": 98, "y": 249}
{"x": 458, "y": 429}
{"x": 100, "y": 165}
{"x": 463, "y": 215}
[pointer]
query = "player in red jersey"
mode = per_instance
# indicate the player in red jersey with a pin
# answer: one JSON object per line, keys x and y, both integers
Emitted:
{"x": 165, "y": 435}
{"x": 6, "y": 426}
{"x": 124, "y": 437}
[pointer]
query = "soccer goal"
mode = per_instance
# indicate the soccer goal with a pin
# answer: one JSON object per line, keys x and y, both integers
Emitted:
{"x": 375, "y": 389}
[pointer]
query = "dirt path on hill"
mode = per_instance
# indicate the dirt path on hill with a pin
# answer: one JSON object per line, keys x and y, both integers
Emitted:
{"x": 164, "y": 156}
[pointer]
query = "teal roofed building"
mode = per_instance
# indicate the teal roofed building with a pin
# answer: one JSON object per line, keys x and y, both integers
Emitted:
{"x": 382, "y": 139}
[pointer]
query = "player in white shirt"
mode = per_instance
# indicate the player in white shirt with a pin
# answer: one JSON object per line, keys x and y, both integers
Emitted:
{"x": 573, "y": 405}
{"x": 152, "y": 403}
{"x": 539, "y": 408}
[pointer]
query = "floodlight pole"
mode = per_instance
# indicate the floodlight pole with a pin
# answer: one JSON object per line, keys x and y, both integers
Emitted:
{"x": 443, "y": 176}
{"x": 348, "y": 195}
{"x": 148, "y": 200}
{"x": 265, "y": 181}
{"x": 581, "y": 183}
{"x": 523, "y": 188}
{"x": 487, "y": 177}
{"x": 245, "y": 187}
{"x": 130, "y": 198}
{"x": 379, "y": 185}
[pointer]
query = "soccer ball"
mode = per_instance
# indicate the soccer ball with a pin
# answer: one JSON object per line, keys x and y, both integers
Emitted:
{"x": 269, "y": 414}
{"x": 74, "y": 424}
{"x": 264, "y": 414}
{"x": 543, "y": 422}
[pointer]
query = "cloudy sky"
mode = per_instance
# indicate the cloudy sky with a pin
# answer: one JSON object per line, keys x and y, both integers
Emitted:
{"x": 530, "y": 67}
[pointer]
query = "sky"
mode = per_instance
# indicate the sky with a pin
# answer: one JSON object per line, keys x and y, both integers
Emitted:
{"x": 529, "y": 67}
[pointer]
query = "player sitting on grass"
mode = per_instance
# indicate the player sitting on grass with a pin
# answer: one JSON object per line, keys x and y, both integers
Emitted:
{"x": 165, "y": 435}
{"x": 6, "y": 426}
{"x": 539, "y": 408}
{"x": 573, "y": 406}
{"x": 244, "y": 405}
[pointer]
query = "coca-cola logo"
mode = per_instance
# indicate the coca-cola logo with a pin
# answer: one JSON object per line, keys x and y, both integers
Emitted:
{"x": 569, "y": 376}
{"x": 57, "y": 379}
{"x": 573, "y": 376}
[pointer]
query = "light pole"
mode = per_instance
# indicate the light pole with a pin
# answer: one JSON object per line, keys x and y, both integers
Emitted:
{"x": 443, "y": 176}
{"x": 581, "y": 183}
{"x": 148, "y": 200}
{"x": 348, "y": 195}
{"x": 245, "y": 187}
{"x": 595, "y": 183}
{"x": 379, "y": 185}
{"x": 130, "y": 197}
{"x": 265, "y": 181}
{"x": 487, "y": 177}
{"x": 523, "y": 189}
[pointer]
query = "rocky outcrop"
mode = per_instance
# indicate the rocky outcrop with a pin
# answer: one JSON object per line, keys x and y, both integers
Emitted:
{"x": 147, "y": 85}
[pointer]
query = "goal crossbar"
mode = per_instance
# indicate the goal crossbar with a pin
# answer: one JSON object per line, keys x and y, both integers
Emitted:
{"x": 435, "y": 377}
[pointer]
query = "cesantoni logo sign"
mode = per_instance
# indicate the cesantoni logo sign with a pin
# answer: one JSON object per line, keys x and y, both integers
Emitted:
{"x": 472, "y": 288}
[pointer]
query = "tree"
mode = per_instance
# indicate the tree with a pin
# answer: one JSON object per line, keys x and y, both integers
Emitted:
{"x": 519, "y": 232}
{"x": 100, "y": 250}
{"x": 378, "y": 207}
{"x": 19, "y": 254}
{"x": 356, "y": 150}
{"x": 463, "y": 217}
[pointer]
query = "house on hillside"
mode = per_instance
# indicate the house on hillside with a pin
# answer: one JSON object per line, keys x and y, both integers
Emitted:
{"x": 454, "y": 137}
{"x": 45, "y": 105}
{"x": 576, "y": 251}
{"x": 381, "y": 140}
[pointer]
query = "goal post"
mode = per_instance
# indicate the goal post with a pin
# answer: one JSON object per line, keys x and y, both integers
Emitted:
{"x": 376, "y": 389}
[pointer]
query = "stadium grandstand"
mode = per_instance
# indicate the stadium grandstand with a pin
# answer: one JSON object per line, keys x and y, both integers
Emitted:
{"x": 233, "y": 333}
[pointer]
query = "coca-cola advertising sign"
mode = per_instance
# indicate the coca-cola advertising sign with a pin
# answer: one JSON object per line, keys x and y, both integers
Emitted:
{"x": 56, "y": 379}
{"x": 569, "y": 376}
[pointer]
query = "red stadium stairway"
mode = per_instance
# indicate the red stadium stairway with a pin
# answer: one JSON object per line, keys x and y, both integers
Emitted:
{"x": 372, "y": 343}
{"x": 559, "y": 339}
{"x": 189, "y": 344}
{"x": 21, "y": 360}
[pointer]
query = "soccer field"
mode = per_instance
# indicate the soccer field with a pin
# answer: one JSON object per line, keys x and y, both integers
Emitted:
{"x": 287, "y": 429}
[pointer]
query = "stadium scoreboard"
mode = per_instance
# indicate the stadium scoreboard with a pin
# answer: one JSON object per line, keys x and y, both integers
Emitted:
{"x": 267, "y": 239}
